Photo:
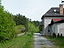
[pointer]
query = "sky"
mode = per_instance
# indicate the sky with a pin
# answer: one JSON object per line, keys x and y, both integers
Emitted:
{"x": 32, "y": 9}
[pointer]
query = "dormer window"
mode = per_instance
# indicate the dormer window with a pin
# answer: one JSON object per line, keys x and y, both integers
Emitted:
{"x": 54, "y": 10}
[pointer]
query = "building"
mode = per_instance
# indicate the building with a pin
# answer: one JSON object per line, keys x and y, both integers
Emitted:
{"x": 52, "y": 21}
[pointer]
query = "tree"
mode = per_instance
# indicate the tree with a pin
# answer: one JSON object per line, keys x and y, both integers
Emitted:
{"x": 32, "y": 28}
{"x": 36, "y": 23}
{"x": 6, "y": 25}
{"x": 21, "y": 20}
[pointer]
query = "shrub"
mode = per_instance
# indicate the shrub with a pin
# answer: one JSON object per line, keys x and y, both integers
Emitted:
{"x": 32, "y": 28}
{"x": 19, "y": 29}
{"x": 6, "y": 25}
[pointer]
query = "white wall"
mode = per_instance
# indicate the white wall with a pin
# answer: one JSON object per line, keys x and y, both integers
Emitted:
{"x": 46, "y": 21}
{"x": 58, "y": 28}
{"x": 61, "y": 29}
{"x": 55, "y": 29}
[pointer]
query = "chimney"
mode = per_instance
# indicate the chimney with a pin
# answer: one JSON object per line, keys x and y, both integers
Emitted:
{"x": 61, "y": 9}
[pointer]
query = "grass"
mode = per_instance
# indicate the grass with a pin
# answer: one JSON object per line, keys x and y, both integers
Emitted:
{"x": 19, "y": 29}
{"x": 24, "y": 41}
{"x": 59, "y": 41}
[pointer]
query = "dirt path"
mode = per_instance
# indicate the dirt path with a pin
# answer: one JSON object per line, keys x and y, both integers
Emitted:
{"x": 41, "y": 42}
{"x": 20, "y": 34}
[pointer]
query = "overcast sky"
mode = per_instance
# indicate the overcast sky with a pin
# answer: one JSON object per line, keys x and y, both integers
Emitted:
{"x": 33, "y": 9}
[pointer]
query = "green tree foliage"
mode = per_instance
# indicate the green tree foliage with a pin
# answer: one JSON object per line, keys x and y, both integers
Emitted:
{"x": 32, "y": 28}
{"x": 36, "y": 23}
{"x": 6, "y": 25}
{"x": 19, "y": 19}
{"x": 41, "y": 27}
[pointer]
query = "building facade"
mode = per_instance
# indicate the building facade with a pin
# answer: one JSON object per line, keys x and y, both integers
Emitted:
{"x": 56, "y": 14}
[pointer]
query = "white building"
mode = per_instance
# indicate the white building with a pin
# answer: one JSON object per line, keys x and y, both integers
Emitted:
{"x": 56, "y": 14}
{"x": 56, "y": 27}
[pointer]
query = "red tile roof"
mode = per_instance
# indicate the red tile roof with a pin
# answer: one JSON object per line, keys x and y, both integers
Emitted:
{"x": 56, "y": 19}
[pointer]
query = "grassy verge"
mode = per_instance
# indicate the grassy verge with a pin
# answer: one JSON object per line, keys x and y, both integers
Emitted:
{"x": 24, "y": 41}
{"x": 59, "y": 41}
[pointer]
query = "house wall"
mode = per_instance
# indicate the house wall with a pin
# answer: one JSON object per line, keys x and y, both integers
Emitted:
{"x": 46, "y": 21}
{"x": 49, "y": 30}
{"x": 61, "y": 29}
{"x": 55, "y": 29}
{"x": 58, "y": 28}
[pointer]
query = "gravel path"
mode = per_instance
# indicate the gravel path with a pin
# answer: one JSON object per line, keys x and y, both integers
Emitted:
{"x": 41, "y": 42}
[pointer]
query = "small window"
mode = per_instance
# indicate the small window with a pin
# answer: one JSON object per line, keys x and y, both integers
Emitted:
{"x": 55, "y": 10}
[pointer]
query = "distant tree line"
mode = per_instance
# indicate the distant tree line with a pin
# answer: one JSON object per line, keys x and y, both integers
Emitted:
{"x": 20, "y": 19}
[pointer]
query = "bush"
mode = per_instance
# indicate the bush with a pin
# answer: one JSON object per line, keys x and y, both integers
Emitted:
{"x": 19, "y": 29}
{"x": 6, "y": 25}
{"x": 32, "y": 28}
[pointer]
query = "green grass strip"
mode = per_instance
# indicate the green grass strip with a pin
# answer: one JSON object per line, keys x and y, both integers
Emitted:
{"x": 24, "y": 41}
